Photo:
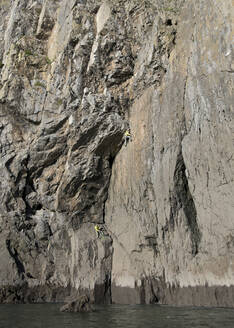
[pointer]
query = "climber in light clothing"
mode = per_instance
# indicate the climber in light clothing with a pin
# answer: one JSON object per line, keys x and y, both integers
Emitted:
{"x": 127, "y": 137}
{"x": 98, "y": 230}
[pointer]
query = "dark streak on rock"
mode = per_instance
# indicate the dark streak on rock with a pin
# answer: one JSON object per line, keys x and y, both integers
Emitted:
{"x": 14, "y": 254}
{"x": 181, "y": 198}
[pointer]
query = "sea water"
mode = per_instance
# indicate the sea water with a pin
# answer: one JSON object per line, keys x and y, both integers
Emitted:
{"x": 114, "y": 316}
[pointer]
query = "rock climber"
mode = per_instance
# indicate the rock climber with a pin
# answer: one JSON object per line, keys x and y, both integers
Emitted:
{"x": 127, "y": 137}
{"x": 98, "y": 230}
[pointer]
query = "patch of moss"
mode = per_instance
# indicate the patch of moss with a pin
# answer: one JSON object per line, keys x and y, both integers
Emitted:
{"x": 39, "y": 84}
{"x": 28, "y": 52}
{"x": 59, "y": 101}
{"x": 48, "y": 60}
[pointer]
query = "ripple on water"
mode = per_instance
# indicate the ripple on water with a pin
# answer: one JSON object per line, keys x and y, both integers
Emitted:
{"x": 115, "y": 316}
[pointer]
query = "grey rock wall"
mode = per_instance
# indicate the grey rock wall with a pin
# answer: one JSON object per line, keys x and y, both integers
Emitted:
{"x": 74, "y": 76}
{"x": 173, "y": 221}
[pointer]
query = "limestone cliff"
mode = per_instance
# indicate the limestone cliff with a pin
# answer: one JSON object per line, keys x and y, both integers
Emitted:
{"x": 75, "y": 75}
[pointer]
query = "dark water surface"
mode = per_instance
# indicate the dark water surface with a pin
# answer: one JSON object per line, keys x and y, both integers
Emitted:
{"x": 126, "y": 316}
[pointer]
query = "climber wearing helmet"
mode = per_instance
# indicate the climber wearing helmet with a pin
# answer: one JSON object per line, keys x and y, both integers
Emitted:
{"x": 127, "y": 137}
{"x": 98, "y": 230}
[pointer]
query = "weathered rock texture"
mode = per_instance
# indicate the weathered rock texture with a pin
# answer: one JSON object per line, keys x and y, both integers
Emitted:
{"x": 82, "y": 304}
{"x": 74, "y": 76}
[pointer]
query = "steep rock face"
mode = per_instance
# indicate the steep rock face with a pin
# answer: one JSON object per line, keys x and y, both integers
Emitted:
{"x": 172, "y": 221}
{"x": 59, "y": 135}
{"x": 74, "y": 76}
